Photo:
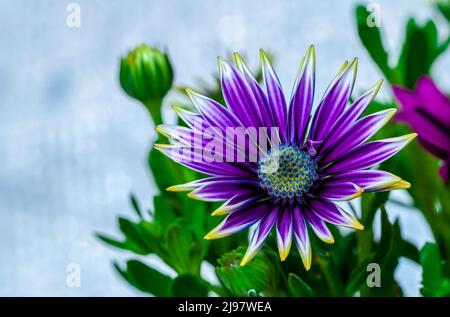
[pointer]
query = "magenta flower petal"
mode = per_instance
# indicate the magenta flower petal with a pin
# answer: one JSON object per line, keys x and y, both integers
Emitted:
{"x": 427, "y": 111}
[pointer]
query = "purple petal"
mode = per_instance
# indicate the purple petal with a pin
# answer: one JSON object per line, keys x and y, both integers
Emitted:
{"x": 333, "y": 103}
{"x": 260, "y": 234}
{"x": 339, "y": 190}
{"x": 195, "y": 160}
{"x": 189, "y": 117}
{"x": 370, "y": 180}
{"x": 302, "y": 99}
{"x": 238, "y": 220}
{"x": 275, "y": 96}
{"x": 262, "y": 108}
{"x": 284, "y": 233}
{"x": 318, "y": 225}
{"x": 301, "y": 236}
{"x": 214, "y": 113}
{"x": 369, "y": 154}
{"x": 349, "y": 116}
{"x": 235, "y": 203}
{"x": 331, "y": 213}
{"x": 225, "y": 189}
{"x": 178, "y": 134}
{"x": 355, "y": 134}
{"x": 238, "y": 95}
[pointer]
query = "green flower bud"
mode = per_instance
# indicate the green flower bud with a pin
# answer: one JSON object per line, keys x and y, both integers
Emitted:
{"x": 146, "y": 75}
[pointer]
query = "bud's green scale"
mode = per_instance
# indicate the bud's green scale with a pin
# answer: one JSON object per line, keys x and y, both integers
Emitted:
{"x": 146, "y": 74}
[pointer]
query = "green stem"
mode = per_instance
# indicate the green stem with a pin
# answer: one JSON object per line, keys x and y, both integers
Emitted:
{"x": 352, "y": 208}
{"x": 331, "y": 276}
{"x": 154, "y": 108}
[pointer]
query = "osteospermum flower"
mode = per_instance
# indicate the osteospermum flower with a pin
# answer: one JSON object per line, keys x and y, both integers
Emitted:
{"x": 294, "y": 185}
{"x": 427, "y": 111}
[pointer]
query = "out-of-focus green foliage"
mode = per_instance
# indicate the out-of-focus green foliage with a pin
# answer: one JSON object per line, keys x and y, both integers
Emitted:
{"x": 444, "y": 7}
{"x": 434, "y": 282}
{"x": 421, "y": 47}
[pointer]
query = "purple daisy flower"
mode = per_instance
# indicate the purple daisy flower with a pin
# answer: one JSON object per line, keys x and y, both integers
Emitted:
{"x": 311, "y": 163}
{"x": 427, "y": 111}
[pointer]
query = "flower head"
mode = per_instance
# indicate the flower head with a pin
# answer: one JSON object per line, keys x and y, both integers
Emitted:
{"x": 290, "y": 184}
{"x": 427, "y": 111}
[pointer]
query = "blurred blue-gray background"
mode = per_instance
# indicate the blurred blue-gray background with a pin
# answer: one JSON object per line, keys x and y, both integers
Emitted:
{"x": 73, "y": 146}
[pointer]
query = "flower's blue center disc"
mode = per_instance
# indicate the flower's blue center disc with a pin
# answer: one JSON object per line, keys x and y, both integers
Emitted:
{"x": 287, "y": 172}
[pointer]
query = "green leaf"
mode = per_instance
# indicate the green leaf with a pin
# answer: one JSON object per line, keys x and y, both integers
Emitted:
{"x": 298, "y": 287}
{"x": 371, "y": 39}
{"x": 444, "y": 8}
{"x": 370, "y": 203}
{"x": 420, "y": 49}
{"x": 239, "y": 280}
{"x": 387, "y": 256}
{"x": 113, "y": 242}
{"x": 357, "y": 277}
{"x": 167, "y": 172}
{"x": 146, "y": 278}
{"x": 179, "y": 244}
{"x": 152, "y": 235}
{"x": 163, "y": 211}
{"x": 135, "y": 205}
{"x": 408, "y": 250}
{"x": 432, "y": 269}
{"x": 133, "y": 239}
{"x": 188, "y": 285}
